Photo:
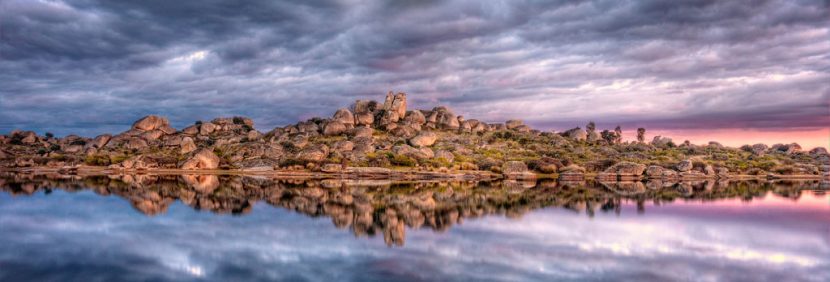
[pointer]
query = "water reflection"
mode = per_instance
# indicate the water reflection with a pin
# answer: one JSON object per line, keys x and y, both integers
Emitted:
{"x": 60, "y": 228}
{"x": 375, "y": 207}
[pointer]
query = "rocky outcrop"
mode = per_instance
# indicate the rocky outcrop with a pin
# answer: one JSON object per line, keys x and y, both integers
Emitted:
{"x": 386, "y": 134}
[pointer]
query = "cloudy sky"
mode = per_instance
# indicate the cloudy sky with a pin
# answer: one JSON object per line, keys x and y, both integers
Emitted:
{"x": 731, "y": 69}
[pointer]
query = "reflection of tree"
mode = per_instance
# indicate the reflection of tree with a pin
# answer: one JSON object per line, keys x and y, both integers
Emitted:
{"x": 372, "y": 208}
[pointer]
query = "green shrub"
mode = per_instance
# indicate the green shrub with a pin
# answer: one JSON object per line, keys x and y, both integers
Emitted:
{"x": 118, "y": 158}
{"x": 78, "y": 142}
{"x": 58, "y": 157}
{"x": 97, "y": 160}
{"x": 292, "y": 162}
{"x": 402, "y": 160}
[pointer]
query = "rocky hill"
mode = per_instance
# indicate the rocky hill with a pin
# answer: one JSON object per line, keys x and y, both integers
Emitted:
{"x": 388, "y": 137}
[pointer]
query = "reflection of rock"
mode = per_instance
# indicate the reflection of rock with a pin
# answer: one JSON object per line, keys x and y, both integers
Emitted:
{"x": 381, "y": 207}
{"x": 202, "y": 183}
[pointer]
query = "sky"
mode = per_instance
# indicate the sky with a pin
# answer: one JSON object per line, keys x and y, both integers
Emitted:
{"x": 740, "y": 70}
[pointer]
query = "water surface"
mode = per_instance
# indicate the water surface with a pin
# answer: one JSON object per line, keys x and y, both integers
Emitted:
{"x": 230, "y": 228}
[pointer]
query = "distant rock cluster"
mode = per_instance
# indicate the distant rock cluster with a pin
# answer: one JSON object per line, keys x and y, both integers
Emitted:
{"x": 389, "y": 134}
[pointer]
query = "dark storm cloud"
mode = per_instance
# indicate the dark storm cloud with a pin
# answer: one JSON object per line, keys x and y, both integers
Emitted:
{"x": 93, "y": 66}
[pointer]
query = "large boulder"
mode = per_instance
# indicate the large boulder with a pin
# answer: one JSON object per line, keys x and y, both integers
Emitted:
{"x": 343, "y": 146}
{"x": 202, "y": 159}
{"x": 447, "y": 120}
{"x": 152, "y": 135}
{"x": 417, "y": 153}
{"x": 684, "y": 166}
{"x": 135, "y": 143}
{"x": 424, "y": 139}
{"x": 395, "y": 103}
{"x": 709, "y": 170}
{"x": 191, "y": 130}
{"x": 415, "y": 117}
{"x": 655, "y": 171}
{"x": 593, "y": 136}
{"x": 29, "y": 137}
{"x": 788, "y": 149}
{"x": 758, "y": 149}
{"x": 206, "y": 128}
{"x": 444, "y": 154}
{"x": 344, "y": 116}
{"x": 443, "y": 118}
{"x": 361, "y": 131}
{"x": 363, "y": 145}
{"x": 627, "y": 169}
{"x": 387, "y": 119}
{"x": 366, "y": 118}
{"x": 187, "y": 145}
{"x": 334, "y": 128}
{"x": 514, "y": 167}
{"x": 818, "y": 151}
{"x": 100, "y": 141}
{"x": 151, "y": 122}
{"x": 364, "y": 112}
{"x": 364, "y": 106}
{"x": 405, "y": 131}
{"x": 308, "y": 127}
{"x": 516, "y": 170}
{"x": 314, "y": 153}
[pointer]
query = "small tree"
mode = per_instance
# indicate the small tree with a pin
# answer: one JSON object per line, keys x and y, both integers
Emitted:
{"x": 641, "y": 135}
{"x": 591, "y": 126}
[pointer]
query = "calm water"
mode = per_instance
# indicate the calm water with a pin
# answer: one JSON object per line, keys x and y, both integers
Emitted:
{"x": 151, "y": 228}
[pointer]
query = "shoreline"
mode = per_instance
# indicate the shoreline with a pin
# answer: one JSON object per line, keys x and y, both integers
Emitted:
{"x": 379, "y": 173}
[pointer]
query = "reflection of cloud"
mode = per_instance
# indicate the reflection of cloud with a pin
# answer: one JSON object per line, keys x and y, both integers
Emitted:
{"x": 275, "y": 244}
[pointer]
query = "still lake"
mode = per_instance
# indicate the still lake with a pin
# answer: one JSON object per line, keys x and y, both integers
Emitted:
{"x": 232, "y": 228}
